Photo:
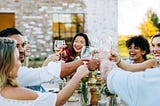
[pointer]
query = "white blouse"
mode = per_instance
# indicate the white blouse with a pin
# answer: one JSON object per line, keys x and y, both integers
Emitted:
{"x": 44, "y": 99}
{"x": 35, "y": 76}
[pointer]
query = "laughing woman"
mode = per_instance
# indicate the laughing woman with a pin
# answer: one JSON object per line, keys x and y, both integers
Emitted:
{"x": 138, "y": 48}
{"x": 73, "y": 53}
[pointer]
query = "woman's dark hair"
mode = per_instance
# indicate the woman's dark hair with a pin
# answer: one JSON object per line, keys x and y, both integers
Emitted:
{"x": 141, "y": 42}
{"x": 86, "y": 40}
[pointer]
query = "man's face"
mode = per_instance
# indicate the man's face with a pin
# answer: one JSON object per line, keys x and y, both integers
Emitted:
{"x": 20, "y": 45}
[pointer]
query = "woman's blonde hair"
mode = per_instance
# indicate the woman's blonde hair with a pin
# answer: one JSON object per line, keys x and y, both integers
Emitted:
{"x": 7, "y": 62}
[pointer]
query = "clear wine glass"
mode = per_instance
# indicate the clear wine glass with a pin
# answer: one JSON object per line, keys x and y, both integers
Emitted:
{"x": 86, "y": 54}
{"x": 59, "y": 47}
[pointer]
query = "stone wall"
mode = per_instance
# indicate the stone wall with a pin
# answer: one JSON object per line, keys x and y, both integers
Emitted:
{"x": 34, "y": 19}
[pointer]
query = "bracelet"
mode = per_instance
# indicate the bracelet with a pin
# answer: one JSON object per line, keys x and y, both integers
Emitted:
{"x": 119, "y": 60}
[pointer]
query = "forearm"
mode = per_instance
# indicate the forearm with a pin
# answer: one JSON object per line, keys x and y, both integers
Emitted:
{"x": 68, "y": 68}
{"x": 33, "y": 76}
{"x": 136, "y": 67}
{"x": 68, "y": 90}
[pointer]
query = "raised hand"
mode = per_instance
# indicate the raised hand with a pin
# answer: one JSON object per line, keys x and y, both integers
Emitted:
{"x": 82, "y": 70}
{"x": 93, "y": 64}
{"x": 105, "y": 67}
{"x": 53, "y": 57}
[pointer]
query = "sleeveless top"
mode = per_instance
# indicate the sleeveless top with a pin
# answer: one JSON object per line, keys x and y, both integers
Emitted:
{"x": 43, "y": 99}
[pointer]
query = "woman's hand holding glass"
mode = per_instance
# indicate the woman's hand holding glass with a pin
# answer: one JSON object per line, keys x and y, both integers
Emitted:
{"x": 53, "y": 57}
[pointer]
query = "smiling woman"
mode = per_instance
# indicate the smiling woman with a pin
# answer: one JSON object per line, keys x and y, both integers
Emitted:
{"x": 73, "y": 53}
{"x": 138, "y": 48}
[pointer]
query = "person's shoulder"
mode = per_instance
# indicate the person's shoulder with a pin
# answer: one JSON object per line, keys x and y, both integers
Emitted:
{"x": 19, "y": 93}
{"x": 26, "y": 94}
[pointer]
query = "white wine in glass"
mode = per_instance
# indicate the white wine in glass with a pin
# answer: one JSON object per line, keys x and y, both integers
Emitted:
{"x": 56, "y": 49}
{"x": 58, "y": 46}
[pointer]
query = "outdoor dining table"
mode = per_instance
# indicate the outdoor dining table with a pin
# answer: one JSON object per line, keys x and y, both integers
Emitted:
{"x": 74, "y": 100}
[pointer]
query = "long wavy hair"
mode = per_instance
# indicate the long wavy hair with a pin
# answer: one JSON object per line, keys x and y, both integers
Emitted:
{"x": 86, "y": 40}
{"x": 7, "y": 62}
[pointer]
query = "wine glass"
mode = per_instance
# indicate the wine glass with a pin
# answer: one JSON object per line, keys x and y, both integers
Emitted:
{"x": 106, "y": 44}
{"x": 59, "y": 47}
{"x": 86, "y": 54}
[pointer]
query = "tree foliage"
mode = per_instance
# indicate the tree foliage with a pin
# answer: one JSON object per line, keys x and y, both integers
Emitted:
{"x": 150, "y": 24}
{"x": 155, "y": 21}
{"x": 148, "y": 28}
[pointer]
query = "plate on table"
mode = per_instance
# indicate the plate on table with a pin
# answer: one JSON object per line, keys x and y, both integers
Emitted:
{"x": 51, "y": 87}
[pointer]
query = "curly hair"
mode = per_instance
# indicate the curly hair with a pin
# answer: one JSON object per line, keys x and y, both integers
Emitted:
{"x": 141, "y": 42}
